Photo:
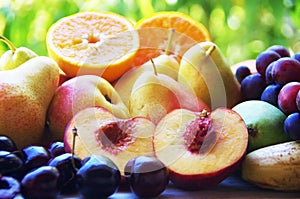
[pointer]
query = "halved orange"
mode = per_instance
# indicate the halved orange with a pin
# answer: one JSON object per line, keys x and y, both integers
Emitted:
{"x": 154, "y": 32}
{"x": 97, "y": 43}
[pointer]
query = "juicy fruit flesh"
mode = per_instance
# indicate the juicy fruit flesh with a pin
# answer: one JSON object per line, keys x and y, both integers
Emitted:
{"x": 114, "y": 136}
{"x": 93, "y": 36}
{"x": 198, "y": 136}
{"x": 228, "y": 148}
{"x": 88, "y": 122}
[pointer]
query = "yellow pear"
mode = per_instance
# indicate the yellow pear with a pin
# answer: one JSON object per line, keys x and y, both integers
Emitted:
{"x": 154, "y": 95}
{"x": 165, "y": 64}
{"x": 204, "y": 71}
{"x": 25, "y": 94}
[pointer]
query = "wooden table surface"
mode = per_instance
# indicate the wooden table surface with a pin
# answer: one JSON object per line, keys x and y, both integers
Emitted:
{"x": 232, "y": 187}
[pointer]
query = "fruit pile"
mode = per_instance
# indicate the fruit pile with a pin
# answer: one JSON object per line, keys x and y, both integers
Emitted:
{"x": 270, "y": 91}
{"x": 41, "y": 172}
{"x": 137, "y": 105}
{"x": 277, "y": 81}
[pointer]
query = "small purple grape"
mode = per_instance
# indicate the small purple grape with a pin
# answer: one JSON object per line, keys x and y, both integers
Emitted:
{"x": 292, "y": 126}
{"x": 252, "y": 87}
{"x": 281, "y": 50}
{"x": 270, "y": 94}
{"x": 41, "y": 183}
{"x": 241, "y": 73}
{"x": 9, "y": 187}
{"x": 264, "y": 59}
{"x": 67, "y": 165}
{"x": 148, "y": 177}
{"x": 98, "y": 177}
{"x": 7, "y": 144}
{"x": 35, "y": 156}
{"x": 10, "y": 164}
{"x": 56, "y": 149}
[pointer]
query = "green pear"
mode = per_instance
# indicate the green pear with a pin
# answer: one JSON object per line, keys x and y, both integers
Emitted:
{"x": 25, "y": 94}
{"x": 204, "y": 71}
{"x": 264, "y": 123}
{"x": 15, "y": 56}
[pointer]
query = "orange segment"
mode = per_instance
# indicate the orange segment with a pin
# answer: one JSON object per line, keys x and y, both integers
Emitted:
{"x": 154, "y": 31}
{"x": 99, "y": 43}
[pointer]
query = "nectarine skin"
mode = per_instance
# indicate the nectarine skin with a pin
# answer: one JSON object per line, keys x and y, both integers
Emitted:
{"x": 203, "y": 181}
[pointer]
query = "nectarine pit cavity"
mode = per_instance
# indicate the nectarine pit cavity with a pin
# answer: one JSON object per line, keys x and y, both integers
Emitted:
{"x": 199, "y": 137}
{"x": 114, "y": 136}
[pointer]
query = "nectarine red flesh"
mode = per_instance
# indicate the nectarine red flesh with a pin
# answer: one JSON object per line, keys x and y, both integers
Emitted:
{"x": 225, "y": 148}
{"x": 100, "y": 132}
{"x": 114, "y": 135}
{"x": 196, "y": 132}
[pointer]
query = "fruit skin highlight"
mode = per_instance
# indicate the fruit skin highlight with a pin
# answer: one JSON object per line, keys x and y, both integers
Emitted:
{"x": 210, "y": 161}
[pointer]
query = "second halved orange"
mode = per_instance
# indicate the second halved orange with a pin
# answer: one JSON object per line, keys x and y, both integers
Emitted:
{"x": 154, "y": 32}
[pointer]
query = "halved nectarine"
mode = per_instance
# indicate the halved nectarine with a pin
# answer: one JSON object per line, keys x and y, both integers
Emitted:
{"x": 200, "y": 149}
{"x": 101, "y": 133}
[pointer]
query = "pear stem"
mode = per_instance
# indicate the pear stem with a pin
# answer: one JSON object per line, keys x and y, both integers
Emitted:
{"x": 9, "y": 43}
{"x": 153, "y": 66}
{"x": 170, "y": 37}
{"x": 74, "y": 131}
{"x": 210, "y": 50}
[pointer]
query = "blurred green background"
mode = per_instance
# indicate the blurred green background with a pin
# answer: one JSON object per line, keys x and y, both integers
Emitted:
{"x": 241, "y": 28}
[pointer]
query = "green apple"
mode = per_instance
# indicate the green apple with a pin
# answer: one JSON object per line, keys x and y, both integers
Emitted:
{"x": 264, "y": 123}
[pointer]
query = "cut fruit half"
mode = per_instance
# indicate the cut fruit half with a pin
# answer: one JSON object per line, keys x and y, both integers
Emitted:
{"x": 154, "y": 32}
{"x": 102, "y": 133}
{"x": 94, "y": 43}
{"x": 200, "y": 149}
